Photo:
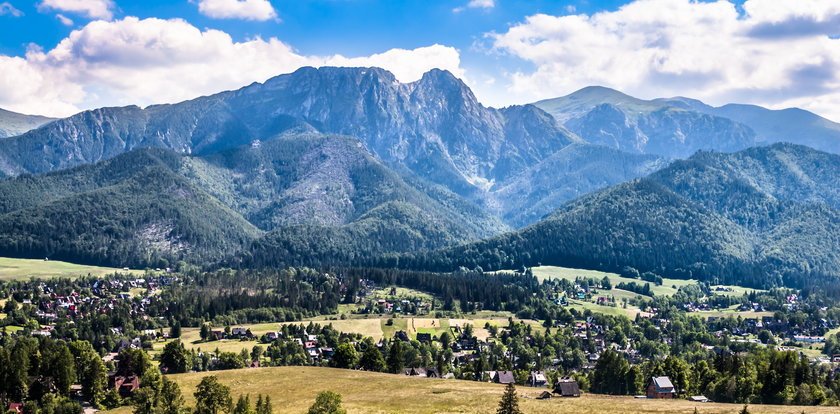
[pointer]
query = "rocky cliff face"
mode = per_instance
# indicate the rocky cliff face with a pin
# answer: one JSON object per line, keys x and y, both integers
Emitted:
{"x": 435, "y": 126}
{"x": 434, "y": 129}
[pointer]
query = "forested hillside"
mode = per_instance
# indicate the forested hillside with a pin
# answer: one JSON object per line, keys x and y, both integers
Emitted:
{"x": 763, "y": 216}
{"x": 324, "y": 199}
{"x": 145, "y": 216}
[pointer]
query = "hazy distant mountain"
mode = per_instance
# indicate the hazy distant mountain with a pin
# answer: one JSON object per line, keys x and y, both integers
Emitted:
{"x": 608, "y": 117}
{"x": 786, "y": 125}
{"x": 677, "y": 127}
{"x": 755, "y": 217}
{"x": 574, "y": 170}
{"x": 12, "y": 123}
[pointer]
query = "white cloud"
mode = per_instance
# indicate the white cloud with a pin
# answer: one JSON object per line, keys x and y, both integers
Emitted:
{"x": 259, "y": 10}
{"x": 7, "y": 8}
{"x": 93, "y": 9}
{"x": 779, "y": 53}
{"x": 133, "y": 61}
{"x": 476, "y": 4}
{"x": 64, "y": 19}
{"x": 407, "y": 65}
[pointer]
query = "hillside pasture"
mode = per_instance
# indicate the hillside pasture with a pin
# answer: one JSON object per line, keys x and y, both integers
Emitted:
{"x": 293, "y": 390}
{"x": 668, "y": 287}
{"x": 17, "y": 269}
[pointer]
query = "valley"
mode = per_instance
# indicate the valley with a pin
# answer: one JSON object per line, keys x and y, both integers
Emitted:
{"x": 335, "y": 228}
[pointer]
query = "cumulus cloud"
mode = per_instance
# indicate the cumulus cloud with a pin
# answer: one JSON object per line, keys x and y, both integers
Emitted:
{"x": 777, "y": 53}
{"x": 7, "y": 8}
{"x": 93, "y": 9}
{"x": 134, "y": 61}
{"x": 260, "y": 10}
{"x": 476, "y": 4}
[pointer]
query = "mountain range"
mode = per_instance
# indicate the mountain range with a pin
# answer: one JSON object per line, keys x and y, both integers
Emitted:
{"x": 761, "y": 217}
{"x": 343, "y": 165}
{"x": 679, "y": 127}
{"x": 434, "y": 129}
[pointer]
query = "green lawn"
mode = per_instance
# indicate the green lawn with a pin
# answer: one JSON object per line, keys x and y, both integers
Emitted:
{"x": 617, "y": 310}
{"x": 11, "y": 269}
{"x": 736, "y": 290}
{"x": 401, "y": 293}
{"x": 669, "y": 286}
{"x": 732, "y": 311}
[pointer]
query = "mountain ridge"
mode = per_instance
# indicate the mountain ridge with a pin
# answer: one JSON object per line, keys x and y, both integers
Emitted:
{"x": 13, "y": 123}
{"x": 665, "y": 126}
{"x": 722, "y": 218}
{"x": 433, "y": 127}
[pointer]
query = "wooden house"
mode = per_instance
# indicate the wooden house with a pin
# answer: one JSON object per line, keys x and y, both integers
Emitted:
{"x": 661, "y": 387}
{"x": 538, "y": 379}
{"x": 567, "y": 387}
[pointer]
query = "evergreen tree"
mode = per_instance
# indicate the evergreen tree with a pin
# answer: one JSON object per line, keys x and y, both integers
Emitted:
{"x": 243, "y": 405}
{"x": 175, "y": 331}
{"x": 395, "y": 357}
{"x": 263, "y": 405}
{"x": 509, "y": 403}
{"x": 610, "y": 374}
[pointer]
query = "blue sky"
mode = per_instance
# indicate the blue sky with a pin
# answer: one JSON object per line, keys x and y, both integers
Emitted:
{"x": 60, "y": 56}
{"x": 350, "y": 27}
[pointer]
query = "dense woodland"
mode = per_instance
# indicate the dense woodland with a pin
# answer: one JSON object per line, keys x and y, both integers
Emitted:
{"x": 700, "y": 218}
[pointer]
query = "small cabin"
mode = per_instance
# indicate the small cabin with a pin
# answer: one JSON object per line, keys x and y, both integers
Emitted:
{"x": 567, "y": 387}
{"x": 661, "y": 387}
{"x": 538, "y": 379}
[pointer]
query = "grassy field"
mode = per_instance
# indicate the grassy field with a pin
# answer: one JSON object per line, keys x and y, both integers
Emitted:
{"x": 669, "y": 286}
{"x": 11, "y": 269}
{"x": 293, "y": 389}
{"x": 617, "y": 310}
{"x": 732, "y": 311}
{"x": 736, "y": 290}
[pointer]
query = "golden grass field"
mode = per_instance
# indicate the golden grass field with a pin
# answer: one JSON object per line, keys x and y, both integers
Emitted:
{"x": 11, "y": 269}
{"x": 293, "y": 389}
